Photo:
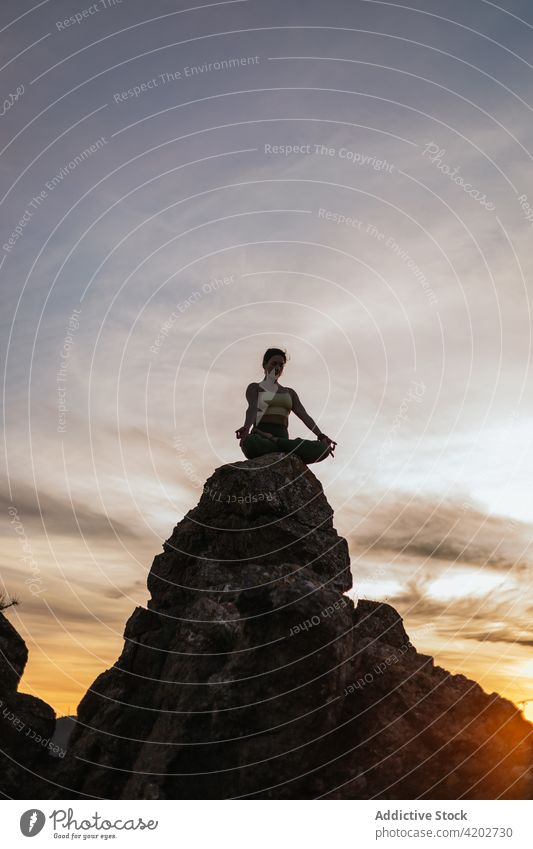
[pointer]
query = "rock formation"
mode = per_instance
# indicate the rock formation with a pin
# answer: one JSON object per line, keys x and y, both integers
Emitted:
{"x": 26, "y": 724}
{"x": 250, "y": 673}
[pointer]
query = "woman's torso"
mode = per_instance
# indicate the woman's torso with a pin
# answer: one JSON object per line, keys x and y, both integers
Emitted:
{"x": 273, "y": 406}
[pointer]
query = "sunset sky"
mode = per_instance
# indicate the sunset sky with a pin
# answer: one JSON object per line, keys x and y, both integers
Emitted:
{"x": 187, "y": 184}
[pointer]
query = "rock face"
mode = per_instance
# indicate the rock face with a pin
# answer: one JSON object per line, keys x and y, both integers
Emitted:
{"x": 26, "y": 724}
{"x": 250, "y": 674}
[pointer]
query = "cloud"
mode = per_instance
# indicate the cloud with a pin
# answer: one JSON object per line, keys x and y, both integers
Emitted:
{"x": 505, "y": 635}
{"x": 58, "y": 515}
{"x": 451, "y": 529}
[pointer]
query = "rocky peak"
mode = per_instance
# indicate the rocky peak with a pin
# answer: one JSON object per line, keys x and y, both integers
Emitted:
{"x": 250, "y": 673}
{"x": 26, "y": 723}
{"x": 13, "y": 654}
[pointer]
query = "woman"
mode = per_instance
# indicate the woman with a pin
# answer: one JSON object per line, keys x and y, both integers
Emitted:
{"x": 269, "y": 405}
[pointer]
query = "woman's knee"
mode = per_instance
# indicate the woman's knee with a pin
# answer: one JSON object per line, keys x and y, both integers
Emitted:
{"x": 313, "y": 452}
{"x": 255, "y": 446}
{"x": 247, "y": 448}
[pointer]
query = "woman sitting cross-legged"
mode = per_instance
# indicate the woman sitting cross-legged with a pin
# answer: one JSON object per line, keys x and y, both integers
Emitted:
{"x": 266, "y": 423}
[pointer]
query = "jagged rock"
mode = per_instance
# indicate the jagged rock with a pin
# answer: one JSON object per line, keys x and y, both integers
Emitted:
{"x": 26, "y": 723}
{"x": 250, "y": 674}
{"x": 63, "y": 729}
{"x": 13, "y": 655}
{"x": 424, "y": 733}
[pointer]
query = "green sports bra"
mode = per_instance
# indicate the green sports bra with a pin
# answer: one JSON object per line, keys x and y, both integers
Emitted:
{"x": 273, "y": 403}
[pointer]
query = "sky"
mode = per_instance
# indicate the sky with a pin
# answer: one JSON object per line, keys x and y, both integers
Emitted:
{"x": 185, "y": 185}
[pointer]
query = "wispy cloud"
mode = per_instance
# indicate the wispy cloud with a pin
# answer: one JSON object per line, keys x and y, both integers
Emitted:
{"x": 446, "y": 528}
{"x": 60, "y": 516}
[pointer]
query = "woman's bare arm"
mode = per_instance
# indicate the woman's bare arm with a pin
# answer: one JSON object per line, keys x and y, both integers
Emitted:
{"x": 300, "y": 411}
{"x": 252, "y": 394}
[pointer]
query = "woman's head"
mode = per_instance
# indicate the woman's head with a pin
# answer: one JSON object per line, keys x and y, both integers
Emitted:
{"x": 274, "y": 360}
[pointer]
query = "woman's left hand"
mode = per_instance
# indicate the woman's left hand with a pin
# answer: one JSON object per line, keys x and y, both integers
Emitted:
{"x": 329, "y": 442}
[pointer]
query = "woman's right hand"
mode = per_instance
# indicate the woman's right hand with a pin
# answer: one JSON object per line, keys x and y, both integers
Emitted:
{"x": 242, "y": 432}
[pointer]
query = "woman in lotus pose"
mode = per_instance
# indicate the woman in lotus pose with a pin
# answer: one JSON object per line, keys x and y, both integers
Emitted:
{"x": 269, "y": 404}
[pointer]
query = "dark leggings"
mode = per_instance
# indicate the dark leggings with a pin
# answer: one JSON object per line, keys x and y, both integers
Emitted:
{"x": 309, "y": 450}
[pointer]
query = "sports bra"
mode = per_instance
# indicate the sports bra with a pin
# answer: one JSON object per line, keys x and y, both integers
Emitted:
{"x": 273, "y": 403}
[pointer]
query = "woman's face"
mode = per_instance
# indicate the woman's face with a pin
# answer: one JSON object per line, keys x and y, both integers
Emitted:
{"x": 274, "y": 366}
